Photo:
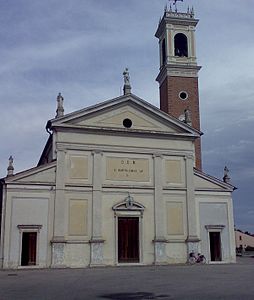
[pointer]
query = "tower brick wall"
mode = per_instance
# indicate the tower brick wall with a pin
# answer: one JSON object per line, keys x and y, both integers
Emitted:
{"x": 179, "y": 69}
{"x": 173, "y": 105}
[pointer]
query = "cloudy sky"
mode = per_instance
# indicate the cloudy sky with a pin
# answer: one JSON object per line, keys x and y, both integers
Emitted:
{"x": 80, "y": 48}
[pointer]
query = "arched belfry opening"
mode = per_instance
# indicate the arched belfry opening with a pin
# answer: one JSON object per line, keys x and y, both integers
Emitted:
{"x": 181, "y": 45}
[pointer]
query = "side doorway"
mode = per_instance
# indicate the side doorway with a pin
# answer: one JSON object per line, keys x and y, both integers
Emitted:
{"x": 29, "y": 246}
{"x": 29, "y": 237}
{"x": 215, "y": 246}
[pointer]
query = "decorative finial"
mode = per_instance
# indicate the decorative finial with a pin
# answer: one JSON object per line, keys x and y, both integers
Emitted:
{"x": 170, "y": 8}
{"x": 192, "y": 11}
{"x": 10, "y": 169}
{"x": 127, "y": 85}
{"x": 60, "y": 108}
{"x": 226, "y": 177}
{"x": 188, "y": 10}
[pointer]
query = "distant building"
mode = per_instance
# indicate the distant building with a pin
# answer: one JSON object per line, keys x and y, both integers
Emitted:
{"x": 242, "y": 240}
{"x": 121, "y": 182}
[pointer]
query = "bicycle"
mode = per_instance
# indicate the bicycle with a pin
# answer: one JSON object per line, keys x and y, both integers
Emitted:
{"x": 199, "y": 258}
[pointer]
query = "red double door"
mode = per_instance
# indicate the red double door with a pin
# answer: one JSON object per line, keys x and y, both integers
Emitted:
{"x": 128, "y": 239}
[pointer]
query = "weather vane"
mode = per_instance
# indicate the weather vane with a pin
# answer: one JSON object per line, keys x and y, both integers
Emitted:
{"x": 174, "y": 3}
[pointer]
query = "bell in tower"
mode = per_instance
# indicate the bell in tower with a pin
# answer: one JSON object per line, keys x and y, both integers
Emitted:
{"x": 178, "y": 76}
{"x": 181, "y": 45}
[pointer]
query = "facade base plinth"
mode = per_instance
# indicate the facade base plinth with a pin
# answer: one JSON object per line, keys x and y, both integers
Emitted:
{"x": 193, "y": 244}
{"x": 96, "y": 252}
{"x": 160, "y": 256}
{"x": 58, "y": 257}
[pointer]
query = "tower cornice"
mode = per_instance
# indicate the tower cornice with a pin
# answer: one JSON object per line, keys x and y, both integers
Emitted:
{"x": 175, "y": 18}
{"x": 177, "y": 70}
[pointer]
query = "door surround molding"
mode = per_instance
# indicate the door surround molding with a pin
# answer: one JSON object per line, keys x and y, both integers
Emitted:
{"x": 129, "y": 208}
{"x": 214, "y": 228}
{"x": 29, "y": 228}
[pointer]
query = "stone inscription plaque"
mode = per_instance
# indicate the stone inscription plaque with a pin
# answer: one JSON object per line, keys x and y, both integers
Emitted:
{"x": 127, "y": 169}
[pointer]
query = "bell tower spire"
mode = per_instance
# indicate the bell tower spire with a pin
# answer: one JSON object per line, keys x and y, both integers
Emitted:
{"x": 178, "y": 76}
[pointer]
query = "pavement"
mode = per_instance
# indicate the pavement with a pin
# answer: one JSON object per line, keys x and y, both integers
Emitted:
{"x": 217, "y": 281}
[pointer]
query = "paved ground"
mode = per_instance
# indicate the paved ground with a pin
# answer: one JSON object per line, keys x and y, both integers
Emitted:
{"x": 196, "y": 282}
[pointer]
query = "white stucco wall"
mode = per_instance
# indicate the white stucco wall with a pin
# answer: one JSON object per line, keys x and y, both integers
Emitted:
{"x": 216, "y": 212}
{"x": 28, "y": 211}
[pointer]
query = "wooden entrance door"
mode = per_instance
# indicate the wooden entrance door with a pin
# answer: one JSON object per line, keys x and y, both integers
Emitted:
{"x": 215, "y": 246}
{"x": 128, "y": 240}
{"x": 28, "y": 254}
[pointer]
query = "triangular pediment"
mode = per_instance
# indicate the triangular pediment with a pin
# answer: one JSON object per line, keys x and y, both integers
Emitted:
{"x": 204, "y": 182}
{"x": 115, "y": 119}
{"x": 112, "y": 114}
{"x": 42, "y": 174}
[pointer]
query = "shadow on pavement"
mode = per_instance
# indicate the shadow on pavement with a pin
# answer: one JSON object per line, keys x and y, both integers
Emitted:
{"x": 134, "y": 296}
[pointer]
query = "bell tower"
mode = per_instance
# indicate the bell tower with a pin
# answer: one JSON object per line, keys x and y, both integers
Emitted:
{"x": 178, "y": 76}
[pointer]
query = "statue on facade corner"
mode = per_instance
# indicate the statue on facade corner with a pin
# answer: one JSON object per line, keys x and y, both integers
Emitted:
{"x": 187, "y": 116}
{"x": 60, "y": 108}
{"x": 126, "y": 76}
{"x": 60, "y": 100}
{"x": 226, "y": 177}
{"x": 10, "y": 168}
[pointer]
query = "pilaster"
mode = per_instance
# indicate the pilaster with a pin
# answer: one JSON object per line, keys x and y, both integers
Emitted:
{"x": 159, "y": 239}
{"x": 192, "y": 238}
{"x": 61, "y": 214}
{"x": 3, "y": 226}
{"x": 96, "y": 239}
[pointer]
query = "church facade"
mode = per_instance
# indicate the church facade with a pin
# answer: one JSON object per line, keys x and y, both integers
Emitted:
{"x": 120, "y": 182}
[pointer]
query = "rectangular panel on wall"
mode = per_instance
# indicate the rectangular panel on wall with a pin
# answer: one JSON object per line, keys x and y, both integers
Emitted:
{"x": 78, "y": 167}
{"x": 127, "y": 169}
{"x": 173, "y": 171}
{"x": 78, "y": 217}
{"x": 175, "y": 218}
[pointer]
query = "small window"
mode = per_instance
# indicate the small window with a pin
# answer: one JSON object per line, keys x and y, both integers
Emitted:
{"x": 240, "y": 237}
{"x": 181, "y": 45}
{"x": 127, "y": 123}
{"x": 183, "y": 95}
{"x": 163, "y": 51}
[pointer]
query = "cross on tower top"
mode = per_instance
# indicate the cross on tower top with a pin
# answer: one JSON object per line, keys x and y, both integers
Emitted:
{"x": 174, "y": 3}
{"x": 173, "y": 13}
